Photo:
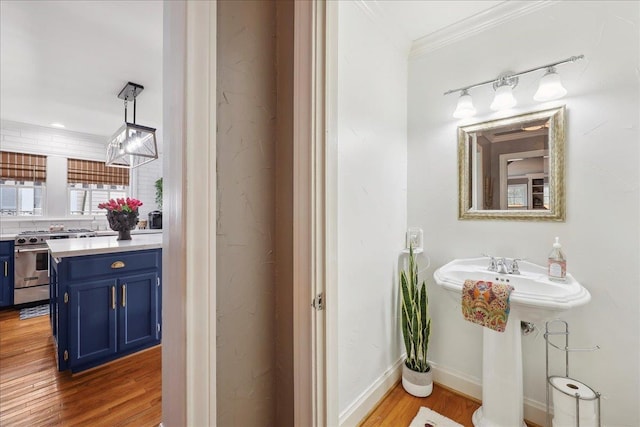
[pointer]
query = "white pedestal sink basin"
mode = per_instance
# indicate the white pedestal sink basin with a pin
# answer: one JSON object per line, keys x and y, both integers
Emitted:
{"x": 534, "y": 299}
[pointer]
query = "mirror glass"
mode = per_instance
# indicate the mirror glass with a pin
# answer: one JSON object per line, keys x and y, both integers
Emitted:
{"x": 513, "y": 168}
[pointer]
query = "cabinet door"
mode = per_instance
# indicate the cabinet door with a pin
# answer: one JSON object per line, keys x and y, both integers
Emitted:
{"x": 138, "y": 311}
{"x": 6, "y": 280}
{"x": 92, "y": 321}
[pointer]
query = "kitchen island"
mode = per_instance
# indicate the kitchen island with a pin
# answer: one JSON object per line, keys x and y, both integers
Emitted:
{"x": 105, "y": 298}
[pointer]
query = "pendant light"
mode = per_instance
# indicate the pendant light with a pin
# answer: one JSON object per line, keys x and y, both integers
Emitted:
{"x": 132, "y": 145}
{"x": 550, "y": 87}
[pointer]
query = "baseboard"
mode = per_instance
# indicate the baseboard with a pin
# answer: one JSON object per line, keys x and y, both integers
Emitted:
{"x": 452, "y": 379}
{"x": 471, "y": 387}
{"x": 457, "y": 381}
{"x": 535, "y": 411}
{"x": 369, "y": 399}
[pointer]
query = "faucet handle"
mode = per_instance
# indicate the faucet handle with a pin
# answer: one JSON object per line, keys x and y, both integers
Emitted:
{"x": 515, "y": 269}
{"x": 493, "y": 266}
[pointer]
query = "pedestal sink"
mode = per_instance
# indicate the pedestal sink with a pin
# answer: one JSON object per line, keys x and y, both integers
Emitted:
{"x": 534, "y": 299}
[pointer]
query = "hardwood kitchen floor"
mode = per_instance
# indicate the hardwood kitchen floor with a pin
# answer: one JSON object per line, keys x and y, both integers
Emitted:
{"x": 126, "y": 392}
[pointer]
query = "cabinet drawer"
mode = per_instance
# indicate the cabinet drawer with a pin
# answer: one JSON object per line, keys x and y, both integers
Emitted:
{"x": 6, "y": 247}
{"x": 93, "y": 266}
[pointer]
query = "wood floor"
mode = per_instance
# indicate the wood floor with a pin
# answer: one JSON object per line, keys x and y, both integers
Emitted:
{"x": 126, "y": 392}
{"x": 399, "y": 408}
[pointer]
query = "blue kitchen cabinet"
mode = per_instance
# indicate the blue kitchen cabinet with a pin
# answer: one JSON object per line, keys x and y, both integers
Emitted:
{"x": 6, "y": 273}
{"x": 107, "y": 306}
{"x": 138, "y": 322}
{"x": 92, "y": 322}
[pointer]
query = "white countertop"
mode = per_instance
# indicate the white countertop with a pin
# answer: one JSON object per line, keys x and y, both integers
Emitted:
{"x": 133, "y": 232}
{"x": 12, "y": 236}
{"x": 62, "y": 248}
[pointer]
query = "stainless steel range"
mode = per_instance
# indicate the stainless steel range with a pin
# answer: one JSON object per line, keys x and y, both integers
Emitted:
{"x": 32, "y": 262}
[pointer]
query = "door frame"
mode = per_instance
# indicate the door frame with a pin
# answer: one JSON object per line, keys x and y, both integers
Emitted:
{"x": 315, "y": 197}
{"x": 189, "y": 234}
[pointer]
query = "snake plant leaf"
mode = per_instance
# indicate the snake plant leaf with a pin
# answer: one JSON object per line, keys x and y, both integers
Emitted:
{"x": 416, "y": 323}
{"x": 405, "y": 312}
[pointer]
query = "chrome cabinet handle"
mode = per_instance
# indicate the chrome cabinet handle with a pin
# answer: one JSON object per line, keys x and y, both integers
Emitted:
{"x": 6, "y": 269}
{"x": 124, "y": 294}
{"x": 113, "y": 297}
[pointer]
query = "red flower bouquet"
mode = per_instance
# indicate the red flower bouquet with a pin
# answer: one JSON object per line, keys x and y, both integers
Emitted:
{"x": 121, "y": 205}
{"x": 122, "y": 215}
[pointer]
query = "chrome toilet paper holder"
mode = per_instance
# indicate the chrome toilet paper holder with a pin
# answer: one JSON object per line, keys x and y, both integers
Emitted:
{"x": 549, "y": 332}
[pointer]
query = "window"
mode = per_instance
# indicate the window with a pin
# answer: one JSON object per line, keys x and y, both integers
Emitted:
{"x": 517, "y": 196}
{"x": 84, "y": 198}
{"x": 91, "y": 183}
{"x": 22, "y": 184}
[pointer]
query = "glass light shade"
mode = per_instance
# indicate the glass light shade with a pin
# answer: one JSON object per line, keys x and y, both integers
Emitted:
{"x": 465, "y": 106}
{"x": 503, "y": 99}
{"x": 550, "y": 87}
{"x": 132, "y": 146}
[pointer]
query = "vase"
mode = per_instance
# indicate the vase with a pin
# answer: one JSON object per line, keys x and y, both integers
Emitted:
{"x": 123, "y": 223}
{"x": 419, "y": 384}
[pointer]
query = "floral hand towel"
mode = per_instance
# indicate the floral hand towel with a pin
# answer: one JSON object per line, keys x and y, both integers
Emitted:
{"x": 486, "y": 303}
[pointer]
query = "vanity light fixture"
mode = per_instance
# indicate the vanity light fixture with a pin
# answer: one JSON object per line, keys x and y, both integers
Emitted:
{"x": 550, "y": 88}
{"x": 465, "y": 106}
{"x": 504, "y": 98}
{"x": 132, "y": 145}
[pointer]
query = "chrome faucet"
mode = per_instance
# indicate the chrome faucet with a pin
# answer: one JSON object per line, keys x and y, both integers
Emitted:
{"x": 503, "y": 265}
{"x": 492, "y": 263}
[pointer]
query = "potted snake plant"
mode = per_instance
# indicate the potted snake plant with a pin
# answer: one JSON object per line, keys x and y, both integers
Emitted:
{"x": 417, "y": 378}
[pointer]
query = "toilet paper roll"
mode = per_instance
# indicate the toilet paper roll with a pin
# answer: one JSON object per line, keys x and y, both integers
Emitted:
{"x": 564, "y": 406}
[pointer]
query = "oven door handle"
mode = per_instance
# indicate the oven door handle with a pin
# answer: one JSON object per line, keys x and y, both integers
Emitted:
{"x": 19, "y": 250}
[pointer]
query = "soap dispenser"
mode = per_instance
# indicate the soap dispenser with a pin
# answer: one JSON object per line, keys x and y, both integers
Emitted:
{"x": 557, "y": 263}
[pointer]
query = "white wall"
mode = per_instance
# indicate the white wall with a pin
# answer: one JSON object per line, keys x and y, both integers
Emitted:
{"x": 58, "y": 145}
{"x": 601, "y": 232}
{"x": 245, "y": 314}
{"x": 372, "y": 162}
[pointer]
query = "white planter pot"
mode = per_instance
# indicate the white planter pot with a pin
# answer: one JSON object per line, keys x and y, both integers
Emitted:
{"x": 419, "y": 384}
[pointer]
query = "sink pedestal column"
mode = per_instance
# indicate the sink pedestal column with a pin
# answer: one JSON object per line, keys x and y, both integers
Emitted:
{"x": 502, "y": 392}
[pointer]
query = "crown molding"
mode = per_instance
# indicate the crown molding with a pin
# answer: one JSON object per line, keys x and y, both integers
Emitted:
{"x": 503, "y": 12}
{"x": 372, "y": 10}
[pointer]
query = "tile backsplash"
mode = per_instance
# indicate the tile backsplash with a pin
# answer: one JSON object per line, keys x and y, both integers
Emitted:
{"x": 12, "y": 225}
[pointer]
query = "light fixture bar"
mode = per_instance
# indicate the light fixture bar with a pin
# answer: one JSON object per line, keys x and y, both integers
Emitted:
{"x": 520, "y": 73}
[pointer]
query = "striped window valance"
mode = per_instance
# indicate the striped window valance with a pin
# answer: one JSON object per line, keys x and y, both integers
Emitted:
{"x": 23, "y": 167}
{"x": 90, "y": 172}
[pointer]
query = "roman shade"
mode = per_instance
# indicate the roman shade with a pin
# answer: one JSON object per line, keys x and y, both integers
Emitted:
{"x": 91, "y": 172}
{"x": 23, "y": 167}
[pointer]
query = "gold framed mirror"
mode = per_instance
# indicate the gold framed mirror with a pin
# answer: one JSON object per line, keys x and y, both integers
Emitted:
{"x": 513, "y": 168}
